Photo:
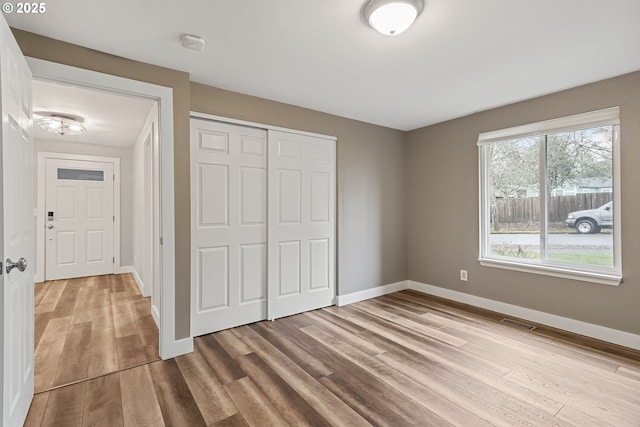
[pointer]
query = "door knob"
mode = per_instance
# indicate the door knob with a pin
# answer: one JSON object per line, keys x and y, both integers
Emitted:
{"x": 21, "y": 265}
{"x": 50, "y": 226}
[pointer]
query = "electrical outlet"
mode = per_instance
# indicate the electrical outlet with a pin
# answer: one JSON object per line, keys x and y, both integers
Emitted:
{"x": 463, "y": 275}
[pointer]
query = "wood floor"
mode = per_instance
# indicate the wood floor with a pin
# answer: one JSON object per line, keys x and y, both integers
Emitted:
{"x": 402, "y": 359}
{"x": 89, "y": 327}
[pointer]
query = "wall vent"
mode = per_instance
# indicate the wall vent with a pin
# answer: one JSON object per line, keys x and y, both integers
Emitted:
{"x": 517, "y": 324}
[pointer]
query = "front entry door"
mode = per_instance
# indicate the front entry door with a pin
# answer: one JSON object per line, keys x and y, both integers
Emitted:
{"x": 79, "y": 218}
{"x": 16, "y": 233}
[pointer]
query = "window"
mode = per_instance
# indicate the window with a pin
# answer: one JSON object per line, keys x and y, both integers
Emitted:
{"x": 549, "y": 197}
{"x": 80, "y": 175}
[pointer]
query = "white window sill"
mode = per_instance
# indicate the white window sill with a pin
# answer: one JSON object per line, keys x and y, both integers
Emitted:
{"x": 584, "y": 276}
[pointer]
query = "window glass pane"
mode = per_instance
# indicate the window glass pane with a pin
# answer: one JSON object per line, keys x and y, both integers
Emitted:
{"x": 580, "y": 226}
{"x": 80, "y": 175}
{"x": 514, "y": 219}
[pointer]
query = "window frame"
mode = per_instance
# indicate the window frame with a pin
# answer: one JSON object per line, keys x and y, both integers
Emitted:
{"x": 602, "y": 275}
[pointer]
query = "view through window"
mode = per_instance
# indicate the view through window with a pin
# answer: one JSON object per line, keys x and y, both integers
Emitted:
{"x": 548, "y": 195}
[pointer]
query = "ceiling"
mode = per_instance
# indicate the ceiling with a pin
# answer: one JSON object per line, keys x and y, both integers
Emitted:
{"x": 461, "y": 56}
{"x": 109, "y": 118}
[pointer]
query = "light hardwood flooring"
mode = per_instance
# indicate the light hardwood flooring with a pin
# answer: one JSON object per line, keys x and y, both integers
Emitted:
{"x": 89, "y": 327}
{"x": 398, "y": 360}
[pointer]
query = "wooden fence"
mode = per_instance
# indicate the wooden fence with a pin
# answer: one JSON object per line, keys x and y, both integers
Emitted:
{"x": 528, "y": 209}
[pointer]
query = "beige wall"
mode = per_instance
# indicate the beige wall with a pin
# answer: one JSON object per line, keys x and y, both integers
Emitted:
{"x": 372, "y": 248}
{"x": 443, "y": 209}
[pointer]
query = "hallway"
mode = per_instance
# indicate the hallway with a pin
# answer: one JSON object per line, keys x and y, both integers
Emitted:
{"x": 89, "y": 327}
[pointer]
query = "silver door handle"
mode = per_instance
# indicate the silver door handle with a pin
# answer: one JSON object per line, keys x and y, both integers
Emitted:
{"x": 21, "y": 265}
{"x": 50, "y": 226}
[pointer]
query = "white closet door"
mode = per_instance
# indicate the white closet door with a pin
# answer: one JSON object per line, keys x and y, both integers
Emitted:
{"x": 301, "y": 223}
{"x": 229, "y": 225}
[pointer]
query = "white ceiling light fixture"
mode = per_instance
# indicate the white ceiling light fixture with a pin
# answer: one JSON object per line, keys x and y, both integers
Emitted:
{"x": 62, "y": 125}
{"x": 189, "y": 41}
{"x": 391, "y": 17}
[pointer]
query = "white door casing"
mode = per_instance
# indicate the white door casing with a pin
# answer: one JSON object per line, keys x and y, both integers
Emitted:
{"x": 301, "y": 223}
{"x": 16, "y": 231}
{"x": 79, "y": 218}
{"x": 170, "y": 346}
{"x": 229, "y": 225}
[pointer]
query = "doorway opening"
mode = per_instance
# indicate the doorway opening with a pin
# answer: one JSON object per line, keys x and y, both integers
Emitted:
{"x": 163, "y": 97}
{"x": 97, "y": 234}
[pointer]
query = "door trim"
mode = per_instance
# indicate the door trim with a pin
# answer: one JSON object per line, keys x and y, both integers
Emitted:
{"x": 43, "y": 156}
{"x": 169, "y": 346}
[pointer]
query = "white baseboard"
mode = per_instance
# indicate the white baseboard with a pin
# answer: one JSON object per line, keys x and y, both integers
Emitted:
{"x": 156, "y": 315}
{"x": 370, "y": 293}
{"x": 183, "y": 346}
{"x": 131, "y": 269}
{"x": 576, "y": 326}
{"x": 139, "y": 282}
{"x": 124, "y": 269}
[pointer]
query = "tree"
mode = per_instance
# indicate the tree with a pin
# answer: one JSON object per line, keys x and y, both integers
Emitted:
{"x": 570, "y": 157}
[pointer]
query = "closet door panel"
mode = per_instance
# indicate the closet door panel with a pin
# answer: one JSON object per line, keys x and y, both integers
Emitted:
{"x": 301, "y": 201}
{"x": 228, "y": 225}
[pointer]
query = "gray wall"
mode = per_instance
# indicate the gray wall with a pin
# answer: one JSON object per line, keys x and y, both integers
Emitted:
{"x": 443, "y": 209}
{"x": 372, "y": 249}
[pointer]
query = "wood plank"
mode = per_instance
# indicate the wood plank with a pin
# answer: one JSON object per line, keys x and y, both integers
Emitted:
{"x": 123, "y": 320}
{"x": 47, "y": 354}
{"x": 225, "y": 368}
{"x": 103, "y": 405}
{"x": 74, "y": 364}
{"x": 67, "y": 302}
{"x": 435, "y": 407}
{"x": 625, "y": 371}
{"x": 253, "y": 404}
{"x": 83, "y": 311}
{"x": 117, "y": 283}
{"x": 233, "y": 345}
{"x": 149, "y": 337}
{"x": 103, "y": 352}
{"x": 214, "y": 403}
{"x": 328, "y": 405}
{"x": 130, "y": 351}
{"x": 284, "y": 399}
{"x": 176, "y": 402}
{"x": 50, "y": 300}
{"x": 577, "y": 418}
{"x": 141, "y": 307}
{"x": 594, "y": 409}
{"x": 36, "y": 411}
{"x": 140, "y": 405}
{"x": 287, "y": 340}
{"x": 65, "y": 406}
{"x": 236, "y": 420}
{"x": 40, "y": 290}
{"x": 433, "y": 349}
{"x": 41, "y": 321}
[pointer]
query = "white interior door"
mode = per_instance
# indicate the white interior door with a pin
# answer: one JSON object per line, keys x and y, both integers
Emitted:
{"x": 301, "y": 223}
{"x": 16, "y": 231}
{"x": 79, "y": 218}
{"x": 229, "y": 225}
